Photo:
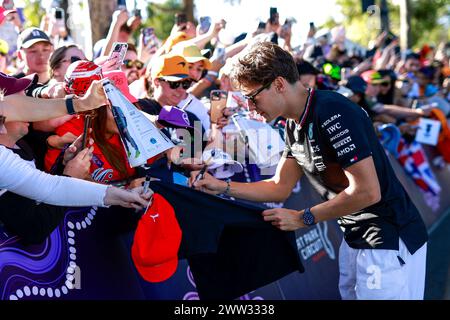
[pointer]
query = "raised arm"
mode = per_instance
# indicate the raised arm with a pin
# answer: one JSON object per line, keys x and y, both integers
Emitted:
{"x": 22, "y": 108}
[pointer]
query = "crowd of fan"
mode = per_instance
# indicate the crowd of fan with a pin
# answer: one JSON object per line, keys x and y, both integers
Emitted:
{"x": 394, "y": 87}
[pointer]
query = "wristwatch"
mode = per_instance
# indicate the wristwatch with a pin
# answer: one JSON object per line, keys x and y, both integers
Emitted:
{"x": 69, "y": 104}
{"x": 308, "y": 218}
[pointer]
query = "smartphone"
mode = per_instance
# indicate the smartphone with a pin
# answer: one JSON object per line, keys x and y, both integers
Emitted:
{"x": 148, "y": 34}
{"x": 87, "y": 126}
{"x": 180, "y": 19}
{"x": 119, "y": 49}
{"x": 273, "y": 15}
{"x": 261, "y": 26}
{"x": 311, "y": 25}
{"x": 121, "y": 4}
{"x": 218, "y": 103}
{"x": 137, "y": 13}
{"x": 205, "y": 24}
{"x": 218, "y": 54}
{"x": 287, "y": 24}
{"x": 58, "y": 13}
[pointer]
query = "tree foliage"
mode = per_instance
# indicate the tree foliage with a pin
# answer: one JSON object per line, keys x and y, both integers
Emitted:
{"x": 429, "y": 21}
{"x": 161, "y": 16}
{"x": 33, "y": 13}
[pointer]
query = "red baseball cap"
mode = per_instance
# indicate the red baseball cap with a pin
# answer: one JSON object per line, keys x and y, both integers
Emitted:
{"x": 156, "y": 242}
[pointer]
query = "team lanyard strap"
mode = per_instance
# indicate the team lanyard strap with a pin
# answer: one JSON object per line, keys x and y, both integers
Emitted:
{"x": 307, "y": 108}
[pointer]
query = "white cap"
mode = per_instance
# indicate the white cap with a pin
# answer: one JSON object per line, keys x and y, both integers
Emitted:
{"x": 224, "y": 172}
{"x": 220, "y": 159}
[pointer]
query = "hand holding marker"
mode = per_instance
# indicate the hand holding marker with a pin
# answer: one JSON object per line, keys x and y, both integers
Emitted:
{"x": 205, "y": 167}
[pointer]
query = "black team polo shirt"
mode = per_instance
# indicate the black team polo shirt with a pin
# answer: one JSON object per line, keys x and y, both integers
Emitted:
{"x": 333, "y": 133}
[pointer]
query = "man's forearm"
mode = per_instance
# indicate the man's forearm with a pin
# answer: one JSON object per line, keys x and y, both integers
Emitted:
{"x": 344, "y": 203}
{"x": 261, "y": 191}
{"x": 401, "y": 112}
{"x": 23, "y": 108}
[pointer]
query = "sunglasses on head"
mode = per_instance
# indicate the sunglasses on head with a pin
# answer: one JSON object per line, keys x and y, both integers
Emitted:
{"x": 133, "y": 63}
{"x": 186, "y": 84}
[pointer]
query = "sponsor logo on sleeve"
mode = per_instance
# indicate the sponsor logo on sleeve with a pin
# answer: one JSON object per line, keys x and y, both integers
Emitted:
{"x": 335, "y": 127}
{"x": 327, "y": 122}
{"x": 342, "y": 142}
{"x": 346, "y": 150}
{"x": 339, "y": 134}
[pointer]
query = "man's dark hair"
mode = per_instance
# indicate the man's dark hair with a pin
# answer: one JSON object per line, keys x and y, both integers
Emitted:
{"x": 262, "y": 64}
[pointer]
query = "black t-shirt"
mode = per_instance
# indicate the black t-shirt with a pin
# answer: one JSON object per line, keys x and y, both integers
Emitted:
{"x": 334, "y": 133}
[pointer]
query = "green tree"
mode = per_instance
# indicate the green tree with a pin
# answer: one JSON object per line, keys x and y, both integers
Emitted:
{"x": 161, "y": 16}
{"x": 33, "y": 13}
{"x": 429, "y": 21}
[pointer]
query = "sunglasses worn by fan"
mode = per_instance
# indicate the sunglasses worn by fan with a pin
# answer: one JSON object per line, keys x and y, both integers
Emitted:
{"x": 186, "y": 84}
{"x": 133, "y": 63}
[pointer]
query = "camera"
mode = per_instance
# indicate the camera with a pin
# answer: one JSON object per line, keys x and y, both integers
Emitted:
{"x": 205, "y": 24}
{"x": 121, "y": 4}
{"x": 273, "y": 18}
{"x": 148, "y": 35}
{"x": 180, "y": 18}
{"x": 58, "y": 13}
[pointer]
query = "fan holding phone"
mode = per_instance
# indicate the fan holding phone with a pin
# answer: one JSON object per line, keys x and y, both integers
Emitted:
{"x": 218, "y": 104}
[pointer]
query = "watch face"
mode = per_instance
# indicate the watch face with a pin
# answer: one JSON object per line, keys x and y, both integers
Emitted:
{"x": 308, "y": 218}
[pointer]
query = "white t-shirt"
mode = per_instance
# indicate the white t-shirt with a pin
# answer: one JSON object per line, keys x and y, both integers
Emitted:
{"x": 21, "y": 177}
